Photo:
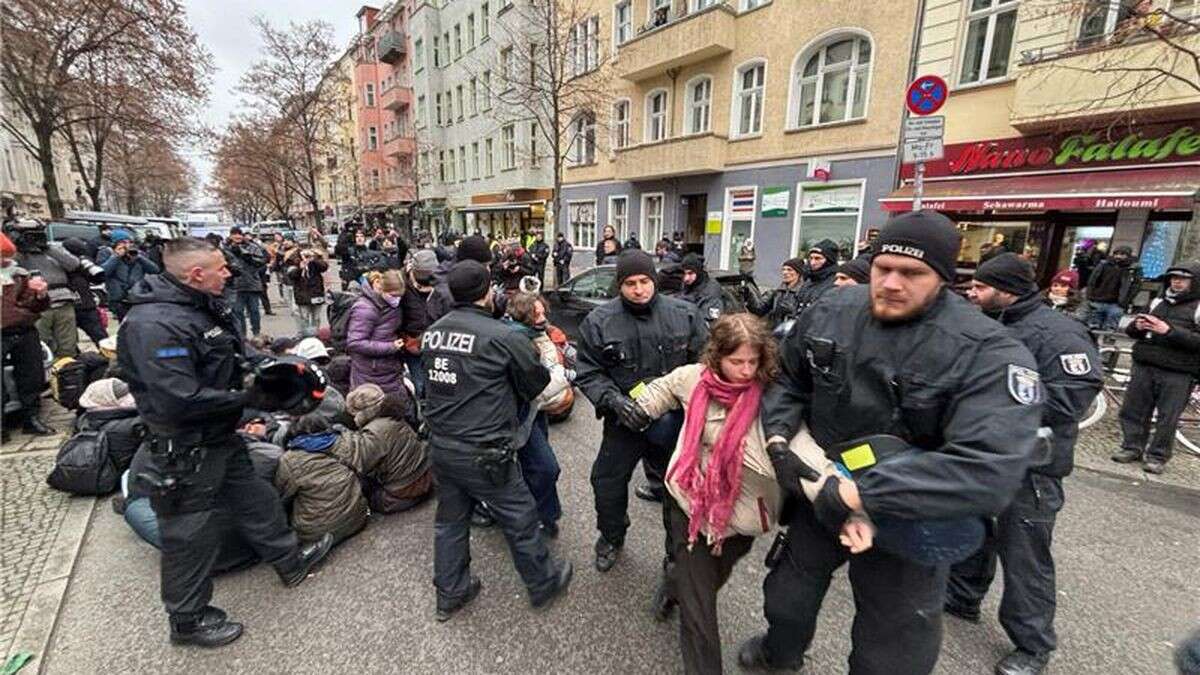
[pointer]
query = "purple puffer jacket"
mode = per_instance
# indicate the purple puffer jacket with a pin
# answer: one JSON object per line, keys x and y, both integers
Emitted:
{"x": 370, "y": 339}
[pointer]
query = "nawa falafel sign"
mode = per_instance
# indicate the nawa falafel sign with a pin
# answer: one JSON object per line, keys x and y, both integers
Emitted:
{"x": 1148, "y": 145}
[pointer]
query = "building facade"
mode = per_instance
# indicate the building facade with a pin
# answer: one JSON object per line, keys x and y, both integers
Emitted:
{"x": 479, "y": 166}
{"x": 339, "y": 183}
{"x": 742, "y": 120}
{"x": 21, "y": 177}
{"x": 1069, "y": 125}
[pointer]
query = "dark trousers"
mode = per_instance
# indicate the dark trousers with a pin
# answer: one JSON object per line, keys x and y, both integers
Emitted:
{"x": 1150, "y": 388}
{"x": 540, "y": 468}
{"x": 266, "y": 297}
{"x": 461, "y": 482}
{"x": 88, "y": 321}
{"x": 694, "y": 578}
{"x": 541, "y": 274}
{"x": 620, "y": 451}
{"x": 897, "y": 604}
{"x": 1021, "y": 542}
{"x": 192, "y": 525}
{"x": 22, "y": 349}
{"x": 561, "y": 272}
{"x": 245, "y": 306}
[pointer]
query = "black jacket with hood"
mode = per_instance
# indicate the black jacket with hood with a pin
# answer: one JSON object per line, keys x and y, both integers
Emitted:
{"x": 1179, "y": 348}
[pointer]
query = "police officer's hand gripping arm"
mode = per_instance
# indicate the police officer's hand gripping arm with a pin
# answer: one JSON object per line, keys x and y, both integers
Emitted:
{"x": 591, "y": 375}
{"x": 528, "y": 375}
{"x": 784, "y": 403}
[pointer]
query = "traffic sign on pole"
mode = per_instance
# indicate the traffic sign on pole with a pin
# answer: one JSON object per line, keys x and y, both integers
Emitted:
{"x": 923, "y": 135}
{"x": 923, "y": 138}
{"x": 926, "y": 95}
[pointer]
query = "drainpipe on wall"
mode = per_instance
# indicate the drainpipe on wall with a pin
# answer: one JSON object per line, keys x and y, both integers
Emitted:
{"x": 918, "y": 24}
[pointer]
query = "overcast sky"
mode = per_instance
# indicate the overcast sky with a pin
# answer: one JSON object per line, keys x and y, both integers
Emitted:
{"x": 224, "y": 28}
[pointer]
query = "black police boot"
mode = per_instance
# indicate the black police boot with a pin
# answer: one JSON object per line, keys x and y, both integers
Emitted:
{"x": 1022, "y": 663}
{"x": 565, "y": 571}
{"x": 208, "y": 628}
{"x": 606, "y": 554}
{"x": 445, "y": 611}
{"x": 1126, "y": 456}
{"x": 663, "y": 605}
{"x": 752, "y": 655}
{"x": 968, "y": 614}
{"x": 297, "y": 567}
{"x": 650, "y": 493}
{"x": 35, "y": 427}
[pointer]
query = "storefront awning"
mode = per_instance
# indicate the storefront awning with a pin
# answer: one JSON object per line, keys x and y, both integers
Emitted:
{"x": 500, "y": 206}
{"x": 1157, "y": 189}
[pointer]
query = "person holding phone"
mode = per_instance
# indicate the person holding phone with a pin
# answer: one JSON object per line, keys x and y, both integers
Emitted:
{"x": 123, "y": 270}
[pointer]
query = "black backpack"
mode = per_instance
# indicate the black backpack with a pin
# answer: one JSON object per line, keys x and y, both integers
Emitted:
{"x": 338, "y": 313}
{"x": 84, "y": 465}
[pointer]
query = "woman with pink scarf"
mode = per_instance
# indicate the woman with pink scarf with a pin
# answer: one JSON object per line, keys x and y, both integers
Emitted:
{"x": 720, "y": 476}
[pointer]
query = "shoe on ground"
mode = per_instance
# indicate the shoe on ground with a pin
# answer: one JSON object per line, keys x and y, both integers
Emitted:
{"x": 663, "y": 605}
{"x": 118, "y": 504}
{"x": 444, "y": 612}
{"x": 1022, "y": 663}
{"x": 968, "y": 614}
{"x": 752, "y": 655}
{"x": 305, "y": 560}
{"x": 481, "y": 516}
{"x": 606, "y": 554}
{"x": 1126, "y": 456}
{"x": 649, "y": 493}
{"x": 212, "y": 628}
{"x": 550, "y": 530}
{"x": 35, "y": 427}
{"x": 1154, "y": 466}
{"x": 562, "y": 579}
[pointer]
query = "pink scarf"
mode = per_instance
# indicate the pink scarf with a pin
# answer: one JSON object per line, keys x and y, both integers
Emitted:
{"x": 712, "y": 493}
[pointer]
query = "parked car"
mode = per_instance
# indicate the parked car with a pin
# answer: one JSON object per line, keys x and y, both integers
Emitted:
{"x": 570, "y": 303}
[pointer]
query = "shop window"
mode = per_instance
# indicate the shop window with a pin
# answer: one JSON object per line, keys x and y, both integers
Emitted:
{"x": 983, "y": 240}
{"x": 828, "y": 212}
{"x": 699, "y": 103}
{"x": 832, "y": 84}
{"x": 582, "y": 216}
{"x": 740, "y": 204}
{"x": 988, "y": 45}
{"x": 656, "y": 116}
{"x": 618, "y": 216}
{"x": 652, "y": 219}
{"x": 749, "y": 88}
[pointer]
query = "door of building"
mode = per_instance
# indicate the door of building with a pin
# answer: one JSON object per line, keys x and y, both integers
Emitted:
{"x": 697, "y": 211}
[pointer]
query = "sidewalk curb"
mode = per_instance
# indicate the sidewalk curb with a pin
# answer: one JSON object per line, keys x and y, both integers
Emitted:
{"x": 41, "y": 615}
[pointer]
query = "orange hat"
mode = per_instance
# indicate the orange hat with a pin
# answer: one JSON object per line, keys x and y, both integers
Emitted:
{"x": 7, "y": 249}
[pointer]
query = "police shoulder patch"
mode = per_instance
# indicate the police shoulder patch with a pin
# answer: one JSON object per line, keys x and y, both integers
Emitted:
{"x": 1075, "y": 364}
{"x": 1024, "y": 385}
{"x": 714, "y": 313}
{"x": 171, "y": 352}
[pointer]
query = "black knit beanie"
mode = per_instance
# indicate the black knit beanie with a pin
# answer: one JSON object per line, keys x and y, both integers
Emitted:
{"x": 632, "y": 262}
{"x": 1007, "y": 272}
{"x": 927, "y": 236}
{"x": 827, "y": 248}
{"x": 476, "y": 248}
{"x": 468, "y": 281}
{"x": 858, "y": 269}
{"x": 692, "y": 263}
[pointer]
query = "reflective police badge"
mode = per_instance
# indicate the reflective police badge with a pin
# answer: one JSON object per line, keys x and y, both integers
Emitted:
{"x": 1075, "y": 364}
{"x": 714, "y": 313}
{"x": 1024, "y": 385}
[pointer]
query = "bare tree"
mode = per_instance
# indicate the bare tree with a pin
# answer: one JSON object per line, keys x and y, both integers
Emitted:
{"x": 148, "y": 173}
{"x": 252, "y": 159}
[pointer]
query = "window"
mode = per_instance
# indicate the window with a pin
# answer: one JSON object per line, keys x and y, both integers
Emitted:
{"x": 458, "y": 102}
{"x": 445, "y": 49}
{"x": 449, "y": 98}
{"x": 748, "y": 5}
{"x": 620, "y": 124}
{"x": 622, "y": 22}
{"x": 8, "y": 162}
{"x": 749, "y": 85}
{"x": 421, "y": 111}
{"x": 418, "y": 55}
{"x": 439, "y": 119}
{"x": 506, "y": 65}
{"x": 1184, "y": 9}
{"x": 533, "y": 61}
{"x": 457, "y": 41}
{"x": 487, "y": 90}
{"x": 470, "y": 32}
{"x": 462, "y": 163}
{"x": 584, "y": 45}
{"x": 437, "y": 53}
{"x": 827, "y": 211}
{"x": 484, "y": 22}
{"x": 374, "y": 179}
{"x": 508, "y": 147}
{"x": 988, "y": 45}
{"x": 618, "y": 216}
{"x": 583, "y": 136}
{"x": 422, "y": 166}
{"x": 369, "y": 94}
{"x": 652, "y": 218}
{"x": 582, "y": 216}
{"x": 659, "y": 12}
{"x": 473, "y": 91}
{"x": 1101, "y": 18}
{"x": 838, "y": 76}
{"x": 699, "y": 105}
{"x": 475, "y": 160}
{"x": 442, "y": 165}
{"x": 534, "y": 158}
{"x": 450, "y": 165}
{"x": 488, "y": 158}
{"x": 656, "y": 115}
{"x": 372, "y": 138}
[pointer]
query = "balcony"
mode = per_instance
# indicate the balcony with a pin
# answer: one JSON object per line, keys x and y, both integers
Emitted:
{"x": 1104, "y": 76}
{"x": 695, "y": 154}
{"x": 391, "y": 47}
{"x": 395, "y": 98}
{"x": 397, "y": 146}
{"x": 671, "y": 42}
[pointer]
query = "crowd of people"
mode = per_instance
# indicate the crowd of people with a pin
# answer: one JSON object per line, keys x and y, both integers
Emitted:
{"x": 862, "y": 413}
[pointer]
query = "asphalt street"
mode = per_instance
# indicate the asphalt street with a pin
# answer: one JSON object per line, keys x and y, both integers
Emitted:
{"x": 1129, "y": 588}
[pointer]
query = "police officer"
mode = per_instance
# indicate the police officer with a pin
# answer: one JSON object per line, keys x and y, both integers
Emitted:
{"x": 700, "y": 289}
{"x": 625, "y": 343}
{"x": 475, "y": 363}
{"x": 180, "y": 350}
{"x": 931, "y": 406}
{"x": 822, "y": 269}
{"x": 1004, "y": 288}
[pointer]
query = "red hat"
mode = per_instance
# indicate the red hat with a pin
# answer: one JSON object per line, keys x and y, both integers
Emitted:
{"x": 1068, "y": 277}
{"x": 7, "y": 249}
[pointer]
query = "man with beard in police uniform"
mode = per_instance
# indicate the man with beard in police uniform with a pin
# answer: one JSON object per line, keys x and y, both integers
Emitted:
{"x": 180, "y": 350}
{"x": 479, "y": 373}
{"x": 1004, "y": 288}
{"x": 931, "y": 411}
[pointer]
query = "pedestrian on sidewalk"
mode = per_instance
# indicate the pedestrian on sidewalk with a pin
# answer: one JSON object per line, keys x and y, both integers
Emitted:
{"x": 251, "y": 260}
{"x": 305, "y": 274}
{"x": 563, "y": 252}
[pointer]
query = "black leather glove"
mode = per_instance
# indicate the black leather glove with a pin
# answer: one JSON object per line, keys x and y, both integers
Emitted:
{"x": 829, "y": 508}
{"x": 631, "y": 415}
{"x": 254, "y": 396}
{"x": 789, "y": 468}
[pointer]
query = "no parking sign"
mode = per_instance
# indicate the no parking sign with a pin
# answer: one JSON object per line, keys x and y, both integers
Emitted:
{"x": 926, "y": 95}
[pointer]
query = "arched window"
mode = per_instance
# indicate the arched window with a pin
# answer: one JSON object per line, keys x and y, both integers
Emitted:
{"x": 656, "y": 116}
{"x": 749, "y": 87}
{"x": 699, "y": 105}
{"x": 830, "y": 82}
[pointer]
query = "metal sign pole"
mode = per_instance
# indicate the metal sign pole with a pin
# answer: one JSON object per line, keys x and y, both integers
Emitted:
{"x": 918, "y": 186}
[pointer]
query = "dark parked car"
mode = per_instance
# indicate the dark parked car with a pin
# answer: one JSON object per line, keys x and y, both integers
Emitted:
{"x": 587, "y": 290}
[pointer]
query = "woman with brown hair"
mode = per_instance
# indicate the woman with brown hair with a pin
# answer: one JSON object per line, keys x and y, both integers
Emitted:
{"x": 723, "y": 484}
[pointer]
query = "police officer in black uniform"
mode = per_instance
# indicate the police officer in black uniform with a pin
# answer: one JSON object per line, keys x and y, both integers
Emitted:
{"x": 180, "y": 350}
{"x": 932, "y": 408}
{"x": 1069, "y": 366}
{"x": 479, "y": 371}
{"x": 819, "y": 277}
{"x": 700, "y": 289}
{"x": 625, "y": 343}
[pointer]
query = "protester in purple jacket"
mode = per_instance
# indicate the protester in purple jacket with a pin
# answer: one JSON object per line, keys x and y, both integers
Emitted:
{"x": 371, "y": 337}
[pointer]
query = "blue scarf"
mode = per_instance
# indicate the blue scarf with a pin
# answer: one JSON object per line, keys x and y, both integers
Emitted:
{"x": 318, "y": 442}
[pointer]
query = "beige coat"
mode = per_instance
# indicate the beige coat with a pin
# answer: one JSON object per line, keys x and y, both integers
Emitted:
{"x": 756, "y": 510}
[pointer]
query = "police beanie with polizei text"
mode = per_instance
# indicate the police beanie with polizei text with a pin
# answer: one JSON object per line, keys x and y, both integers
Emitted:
{"x": 927, "y": 236}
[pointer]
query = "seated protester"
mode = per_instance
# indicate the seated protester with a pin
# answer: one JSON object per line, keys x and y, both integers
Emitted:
{"x": 106, "y": 405}
{"x": 854, "y": 272}
{"x": 387, "y": 449}
{"x": 1062, "y": 294}
{"x": 700, "y": 289}
{"x": 318, "y": 475}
